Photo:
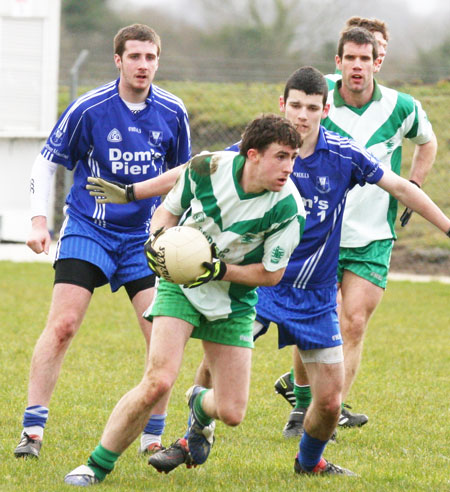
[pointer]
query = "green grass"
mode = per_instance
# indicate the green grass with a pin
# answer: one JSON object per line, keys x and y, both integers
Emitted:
{"x": 403, "y": 385}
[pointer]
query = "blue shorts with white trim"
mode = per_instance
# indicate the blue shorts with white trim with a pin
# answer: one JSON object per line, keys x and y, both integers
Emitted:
{"x": 305, "y": 317}
{"x": 119, "y": 255}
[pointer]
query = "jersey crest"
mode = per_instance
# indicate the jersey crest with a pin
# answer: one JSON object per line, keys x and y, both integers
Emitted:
{"x": 323, "y": 184}
{"x": 155, "y": 138}
{"x": 114, "y": 136}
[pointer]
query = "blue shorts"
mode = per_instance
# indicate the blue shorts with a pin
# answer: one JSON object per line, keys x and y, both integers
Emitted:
{"x": 305, "y": 317}
{"x": 120, "y": 256}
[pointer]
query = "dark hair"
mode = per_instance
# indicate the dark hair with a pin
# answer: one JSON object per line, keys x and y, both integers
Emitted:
{"x": 372, "y": 25}
{"x": 309, "y": 80}
{"x": 360, "y": 36}
{"x": 139, "y": 32}
{"x": 267, "y": 129}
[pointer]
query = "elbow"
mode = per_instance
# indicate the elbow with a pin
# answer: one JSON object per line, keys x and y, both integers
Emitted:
{"x": 274, "y": 278}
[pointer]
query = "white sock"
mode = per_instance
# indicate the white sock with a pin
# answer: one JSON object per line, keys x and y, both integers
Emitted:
{"x": 35, "y": 430}
{"x": 147, "y": 439}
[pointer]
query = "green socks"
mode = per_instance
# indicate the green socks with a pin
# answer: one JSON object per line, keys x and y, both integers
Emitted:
{"x": 198, "y": 410}
{"x": 303, "y": 396}
{"x": 102, "y": 461}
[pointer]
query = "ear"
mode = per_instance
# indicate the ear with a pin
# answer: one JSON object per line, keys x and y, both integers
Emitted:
{"x": 253, "y": 155}
{"x": 282, "y": 104}
{"x": 117, "y": 61}
{"x": 325, "y": 111}
{"x": 338, "y": 62}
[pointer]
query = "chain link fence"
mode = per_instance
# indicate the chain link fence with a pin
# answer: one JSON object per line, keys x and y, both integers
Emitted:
{"x": 220, "y": 108}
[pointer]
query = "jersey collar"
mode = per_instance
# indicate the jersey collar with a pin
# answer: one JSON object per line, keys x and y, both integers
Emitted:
{"x": 339, "y": 101}
{"x": 238, "y": 167}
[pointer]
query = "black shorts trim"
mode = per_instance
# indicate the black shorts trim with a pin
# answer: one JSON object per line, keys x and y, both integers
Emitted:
{"x": 136, "y": 286}
{"x": 79, "y": 272}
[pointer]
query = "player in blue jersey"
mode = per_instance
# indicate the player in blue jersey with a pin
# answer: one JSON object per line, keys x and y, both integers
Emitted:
{"x": 128, "y": 130}
{"x": 303, "y": 304}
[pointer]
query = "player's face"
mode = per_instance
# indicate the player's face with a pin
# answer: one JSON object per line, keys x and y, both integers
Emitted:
{"x": 357, "y": 66}
{"x": 274, "y": 167}
{"x": 137, "y": 66}
{"x": 305, "y": 112}
{"x": 382, "y": 49}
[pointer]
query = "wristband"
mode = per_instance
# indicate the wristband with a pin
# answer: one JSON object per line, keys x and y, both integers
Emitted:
{"x": 448, "y": 233}
{"x": 414, "y": 183}
{"x": 129, "y": 193}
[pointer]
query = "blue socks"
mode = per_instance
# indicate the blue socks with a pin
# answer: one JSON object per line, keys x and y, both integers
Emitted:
{"x": 311, "y": 450}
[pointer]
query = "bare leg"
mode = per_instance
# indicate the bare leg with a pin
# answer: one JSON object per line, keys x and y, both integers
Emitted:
{"x": 301, "y": 377}
{"x": 360, "y": 298}
{"x": 230, "y": 369}
{"x": 203, "y": 375}
{"x": 169, "y": 337}
{"x": 67, "y": 310}
{"x": 326, "y": 385}
{"x": 140, "y": 302}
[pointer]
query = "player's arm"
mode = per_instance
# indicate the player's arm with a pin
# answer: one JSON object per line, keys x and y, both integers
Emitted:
{"x": 252, "y": 275}
{"x": 422, "y": 162}
{"x": 106, "y": 191}
{"x": 41, "y": 179}
{"x": 415, "y": 199}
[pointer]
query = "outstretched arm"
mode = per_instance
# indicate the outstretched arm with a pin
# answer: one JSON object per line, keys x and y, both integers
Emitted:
{"x": 415, "y": 199}
{"x": 106, "y": 191}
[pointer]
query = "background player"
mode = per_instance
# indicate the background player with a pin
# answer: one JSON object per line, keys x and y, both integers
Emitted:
{"x": 365, "y": 118}
{"x": 127, "y": 130}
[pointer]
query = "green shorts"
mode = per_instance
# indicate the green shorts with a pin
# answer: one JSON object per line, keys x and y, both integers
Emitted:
{"x": 170, "y": 301}
{"x": 370, "y": 262}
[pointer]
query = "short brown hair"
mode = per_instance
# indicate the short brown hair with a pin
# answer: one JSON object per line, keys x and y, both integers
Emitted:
{"x": 139, "y": 32}
{"x": 359, "y": 36}
{"x": 372, "y": 25}
{"x": 267, "y": 129}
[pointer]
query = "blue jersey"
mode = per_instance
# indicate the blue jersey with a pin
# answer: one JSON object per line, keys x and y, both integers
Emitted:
{"x": 98, "y": 135}
{"x": 323, "y": 180}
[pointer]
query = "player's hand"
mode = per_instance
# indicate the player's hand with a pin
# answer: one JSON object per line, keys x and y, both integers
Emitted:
{"x": 406, "y": 215}
{"x": 110, "y": 191}
{"x": 151, "y": 254}
{"x": 215, "y": 270}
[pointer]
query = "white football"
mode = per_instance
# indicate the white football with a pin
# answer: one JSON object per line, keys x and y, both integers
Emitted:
{"x": 181, "y": 250}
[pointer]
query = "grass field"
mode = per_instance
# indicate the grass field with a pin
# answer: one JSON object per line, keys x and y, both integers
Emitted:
{"x": 403, "y": 386}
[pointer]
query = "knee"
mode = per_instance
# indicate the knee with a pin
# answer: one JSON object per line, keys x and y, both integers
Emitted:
{"x": 63, "y": 329}
{"x": 232, "y": 415}
{"x": 330, "y": 405}
{"x": 153, "y": 389}
{"x": 353, "y": 327}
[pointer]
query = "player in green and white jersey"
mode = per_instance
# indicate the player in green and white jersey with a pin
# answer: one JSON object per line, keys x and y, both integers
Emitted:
{"x": 247, "y": 206}
{"x": 378, "y": 118}
{"x": 380, "y": 32}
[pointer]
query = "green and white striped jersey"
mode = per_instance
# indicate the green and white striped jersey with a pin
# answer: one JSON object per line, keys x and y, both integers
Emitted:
{"x": 246, "y": 227}
{"x": 380, "y": 126}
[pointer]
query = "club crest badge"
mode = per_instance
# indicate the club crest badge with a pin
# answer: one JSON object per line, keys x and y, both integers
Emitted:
{"x": 56, "y": 137}
{"x": 323, "y": 184}
{"x": 155, "y": 138}
{"x": 114, "y": 136}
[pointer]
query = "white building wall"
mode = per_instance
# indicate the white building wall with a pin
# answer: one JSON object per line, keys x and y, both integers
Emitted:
{"x": 29, "y": 58}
